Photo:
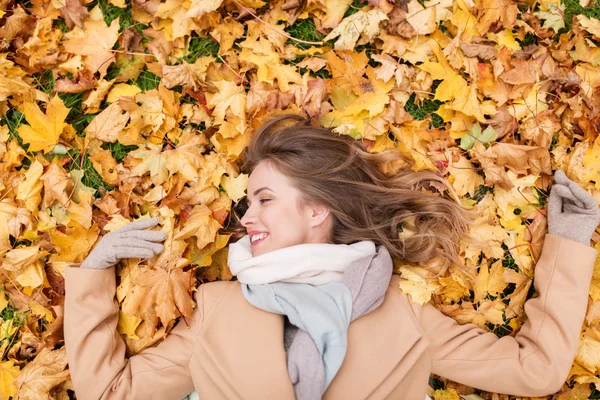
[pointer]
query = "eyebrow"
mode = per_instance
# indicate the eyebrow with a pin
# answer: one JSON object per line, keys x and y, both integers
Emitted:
{"x": 257, "y": 191}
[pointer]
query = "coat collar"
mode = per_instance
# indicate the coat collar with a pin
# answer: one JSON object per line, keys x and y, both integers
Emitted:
{"x": 248, "y": 353}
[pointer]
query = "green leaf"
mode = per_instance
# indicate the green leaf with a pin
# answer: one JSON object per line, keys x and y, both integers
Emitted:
{"x": 475, "y": 134}
{"x": 554, "y": 17}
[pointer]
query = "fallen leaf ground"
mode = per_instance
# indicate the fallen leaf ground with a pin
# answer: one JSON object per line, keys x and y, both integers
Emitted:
{"x": 113, "y": 110}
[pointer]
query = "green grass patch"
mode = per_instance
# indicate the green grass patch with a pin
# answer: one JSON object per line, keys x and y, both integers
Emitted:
{"x": 91, "y": 178}
{"x": 542, "y": 197}
{"x": 507, "y": 259}
{"x": 72, "y": 101}
{"x": 200, "y": 47}
{"x": 18, "y": 319}
{"x": 529, "y": 39}
{"x": 13, "y": 119}
{"x": 147, "y": 81}
{"x": 572, "y": 7}
{"x": 354, "y": 7}
{"x": 60, "y": 24}
{"x": 44, "y": 81}
{"x": 118, "y": 150}
{"x": 499, "y": 330}
{"x": 110, "y": 12}
{"x": 426, "y": 108}
{"x": 480, "y": 192}
{"x": 304, "y": 29}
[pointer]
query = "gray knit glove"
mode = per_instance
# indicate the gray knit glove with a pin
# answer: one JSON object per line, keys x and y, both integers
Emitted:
{"x": 130, "y": 241}
{"x": 572, "y": 212}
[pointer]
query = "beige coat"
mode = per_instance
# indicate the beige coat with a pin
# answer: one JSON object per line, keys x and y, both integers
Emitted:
{"x": 233, "y": 350}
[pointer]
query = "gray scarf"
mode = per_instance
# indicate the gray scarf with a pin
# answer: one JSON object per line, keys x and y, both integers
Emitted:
{"x": 322, "y": 314}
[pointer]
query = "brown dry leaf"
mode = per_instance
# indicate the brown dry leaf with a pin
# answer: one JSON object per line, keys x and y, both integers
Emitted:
{"x": 42, "y": 374}
{"x": 72, "y": 11}
{"x": 167, "y": 293}
{"x": 107, "y": 125}
{"x": 94, "y": 42}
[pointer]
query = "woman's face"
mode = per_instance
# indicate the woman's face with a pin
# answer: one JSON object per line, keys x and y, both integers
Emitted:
{"x": 273, "y": 210}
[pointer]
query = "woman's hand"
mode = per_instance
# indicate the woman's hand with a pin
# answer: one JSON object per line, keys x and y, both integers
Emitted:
{"x": 130, "y": 241}
{"x": 572, "y": 212}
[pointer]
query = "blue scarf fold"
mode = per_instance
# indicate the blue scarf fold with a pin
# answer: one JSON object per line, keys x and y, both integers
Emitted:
{"x": 322, "y": 311}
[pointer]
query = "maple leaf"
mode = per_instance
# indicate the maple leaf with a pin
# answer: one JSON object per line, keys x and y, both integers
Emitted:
{"x": 420, "y": 18}
{"x": 167, "y": 293}
{"x": 360, "y": 24}
{"x": 57, "y": 186}
{"x": 94, "y": 42}
{"x": 554, "y": 16}
{"x": 416, "y": 284}
{"x": 107, "y": 125}
{"x": 8, "y": 372}
{"x": 200, "y": 224}
{"x": 43, "y": 130}
{"x": 151, "y": 160}
{"x": 46, "y": 371}
{"x": 75, "y": 244}
{"x": 72, "y": 11}
{"x": 29, "y": 190}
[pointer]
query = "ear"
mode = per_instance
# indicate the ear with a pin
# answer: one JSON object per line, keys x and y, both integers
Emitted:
{"x": 318, "y": 215}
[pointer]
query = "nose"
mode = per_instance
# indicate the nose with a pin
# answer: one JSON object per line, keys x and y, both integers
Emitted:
{"x": 247, "y": 218}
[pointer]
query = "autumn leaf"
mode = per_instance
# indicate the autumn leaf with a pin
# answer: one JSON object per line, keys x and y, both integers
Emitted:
{"x": 46, "y": 371}
{"x": 8, "y": 372}
{"x": 360, "y": 24}
{"x": 44, "y": 129}
{"x": 167, "y": 293}
{"x": 158, "y": 106}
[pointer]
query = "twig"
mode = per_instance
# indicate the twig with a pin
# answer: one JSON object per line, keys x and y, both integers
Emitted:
{"x": 275, "y": 29}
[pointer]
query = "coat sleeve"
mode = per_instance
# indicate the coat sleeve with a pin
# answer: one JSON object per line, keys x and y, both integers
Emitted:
{"x": 96, "y": 351}
{"x": 538, "y": 359}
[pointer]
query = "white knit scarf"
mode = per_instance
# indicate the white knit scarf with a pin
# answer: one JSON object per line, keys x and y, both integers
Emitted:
{"x": 312, "y": 263}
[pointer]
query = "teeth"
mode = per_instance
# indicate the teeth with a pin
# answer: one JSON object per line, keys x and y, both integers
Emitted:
{"x": 254, "y": 238}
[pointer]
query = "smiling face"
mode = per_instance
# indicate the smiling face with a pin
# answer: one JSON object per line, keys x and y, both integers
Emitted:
{"x": 273, "y": 209}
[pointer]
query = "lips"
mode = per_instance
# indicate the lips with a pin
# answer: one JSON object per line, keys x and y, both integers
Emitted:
{"x": 258, "y": 241}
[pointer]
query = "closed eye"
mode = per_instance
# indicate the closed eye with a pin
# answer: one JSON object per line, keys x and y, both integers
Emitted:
{"x": 261, "y": 200}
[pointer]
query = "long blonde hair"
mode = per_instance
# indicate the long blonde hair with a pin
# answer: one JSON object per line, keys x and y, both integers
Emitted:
{"x": 366, "y": 204}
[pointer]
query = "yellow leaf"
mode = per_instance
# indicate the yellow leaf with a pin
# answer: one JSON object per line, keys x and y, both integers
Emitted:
{"x": 493, "y": 236}
{"x": 107, "y": 125}
{"x": 446, "y": 394}
{"x": 38, "y": 309}
{"x": 94, "y": 42}
{"x": 17, "y": 259}
{"x": 3, "y": 301}
{"x": 229, "y": 98}
{"x": 420, "y": 18}
{"x": 200, "y": 224}
{"x": 122, "y": 89}
{"x": 588, "y": 354}
{"x": 203, "y": 258}
{"x": 465, "y": 22}
{"x": 465, "y": 178}
{"x": 365, "y": 24}
{"x": 8, "y": 372}
{"x": 128, "y": 324}
{"x": 75, "y": 244}
{"x": 413, "y": 283}
{"x": 235, "y": 187}
{"x": 489, "y": 281}
{"x": 33, "y": 275}
{"x": 43, "y": 130}
{"x": 451, "y": 289}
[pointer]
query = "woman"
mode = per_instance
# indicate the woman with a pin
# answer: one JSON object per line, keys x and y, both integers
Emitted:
{"x": 315, "y": 311}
